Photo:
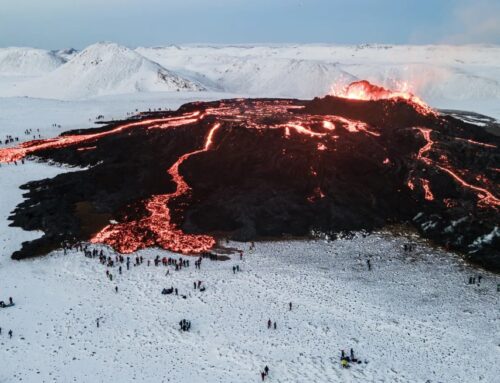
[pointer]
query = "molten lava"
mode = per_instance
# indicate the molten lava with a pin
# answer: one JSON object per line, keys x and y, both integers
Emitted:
{"x": 365, "y": 91}
{"x": 256, "y": 168}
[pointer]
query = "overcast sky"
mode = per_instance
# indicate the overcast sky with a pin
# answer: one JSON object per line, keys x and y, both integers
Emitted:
{"x": 56, "y": 24}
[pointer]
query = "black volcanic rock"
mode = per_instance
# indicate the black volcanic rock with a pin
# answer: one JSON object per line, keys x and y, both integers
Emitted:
{"x": 272, "y": 168}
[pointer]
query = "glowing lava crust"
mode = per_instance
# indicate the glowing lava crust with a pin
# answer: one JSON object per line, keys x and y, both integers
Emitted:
{"x": 251, "y": 169}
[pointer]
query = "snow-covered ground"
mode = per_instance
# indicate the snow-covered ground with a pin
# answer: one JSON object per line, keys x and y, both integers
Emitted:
{"x": 413, "y": 319}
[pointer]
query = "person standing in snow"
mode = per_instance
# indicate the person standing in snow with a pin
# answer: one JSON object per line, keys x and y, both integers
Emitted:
{"x": 262, "y": 375}
{"x": 290, "y": 305}
{"x": 269, "y": 323}
{"x": 275, "y": 325}
{"x": 369, "y": 264}
{"x": 11, "y": 302}
{"x": 194, "y": 284}
{"x": 266, "y": 370}
{"x": 10, "y": 334}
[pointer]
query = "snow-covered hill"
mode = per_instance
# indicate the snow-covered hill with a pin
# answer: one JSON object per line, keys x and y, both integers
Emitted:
{"x": 103, "y": 69}
{"x": 27, "y": 61}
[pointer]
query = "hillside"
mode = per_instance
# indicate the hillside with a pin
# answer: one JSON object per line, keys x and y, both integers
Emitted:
{"x": 104, "y": 69}
{"x": 27, "y": 61}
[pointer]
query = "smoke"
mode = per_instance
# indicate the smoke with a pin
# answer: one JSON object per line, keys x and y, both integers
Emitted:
{"x": 476, "y": 21}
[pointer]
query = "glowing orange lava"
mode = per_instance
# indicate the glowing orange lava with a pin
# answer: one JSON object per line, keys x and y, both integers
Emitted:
{"x": 27, "y": 148}
{"x": 364, "y": 90}
{"x": 485, "y": 197}
{"x": 157, "y": 227}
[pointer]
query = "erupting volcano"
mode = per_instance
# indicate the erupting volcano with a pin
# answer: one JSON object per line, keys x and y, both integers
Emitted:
{"x": 251, "y": 169}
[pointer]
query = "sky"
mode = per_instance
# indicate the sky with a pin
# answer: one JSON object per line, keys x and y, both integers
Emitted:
{"x": 55, "y": 24}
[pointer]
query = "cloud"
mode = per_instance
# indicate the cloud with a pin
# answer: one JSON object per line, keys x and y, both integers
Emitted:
{"x": 476, "y": 21}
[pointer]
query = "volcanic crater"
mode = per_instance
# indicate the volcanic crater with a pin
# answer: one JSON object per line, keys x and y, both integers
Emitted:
{"x": 250, "y": 169}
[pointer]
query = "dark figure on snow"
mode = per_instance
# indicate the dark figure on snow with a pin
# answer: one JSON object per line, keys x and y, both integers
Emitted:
{"x": 269, "y": 323}
{"x": 11, "y": 302}
{"x": 116, "y": 289}
{"x": 10, "y": 334}
{"x": 275, "y": 325}
{"x": 234, "y": 269}
{"x": 369, "y": 264}
{"x": 263, "y": 375}
{"x": 266, "y": 370}
{"x": 120, "y": 270}
{"x": 176, "y": 292}
{"x": 290, "y": 305}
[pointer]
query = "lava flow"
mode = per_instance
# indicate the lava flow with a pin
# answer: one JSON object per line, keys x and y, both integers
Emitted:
{"x": 252, "y": 169}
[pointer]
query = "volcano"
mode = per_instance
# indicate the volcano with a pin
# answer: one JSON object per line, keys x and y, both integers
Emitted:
{"x": 253, "y": 169}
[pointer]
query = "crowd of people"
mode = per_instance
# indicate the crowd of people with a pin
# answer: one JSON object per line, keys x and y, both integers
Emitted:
{"x": 118, "y": 261}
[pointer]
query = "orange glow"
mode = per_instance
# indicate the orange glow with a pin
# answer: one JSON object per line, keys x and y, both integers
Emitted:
{"x": 427, "y": 189}
{"x": 131, "y": 236}
{"x": 486, "y": 198}
{"x": 27, "y": 148}
{"x": 364, "y": 90}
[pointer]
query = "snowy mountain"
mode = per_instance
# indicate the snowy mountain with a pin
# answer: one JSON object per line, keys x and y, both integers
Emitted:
{"x": 104, "y": 69}
{"x": 27, "y": 61}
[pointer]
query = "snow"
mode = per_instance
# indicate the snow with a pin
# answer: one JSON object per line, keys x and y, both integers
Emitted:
{"x": 450, "y": 77}
{"x": 104, "y": 69}
{"x": 27, "y": 61}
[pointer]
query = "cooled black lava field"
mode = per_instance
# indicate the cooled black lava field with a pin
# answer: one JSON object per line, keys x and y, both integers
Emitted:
{"x": 252, "y": 169}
